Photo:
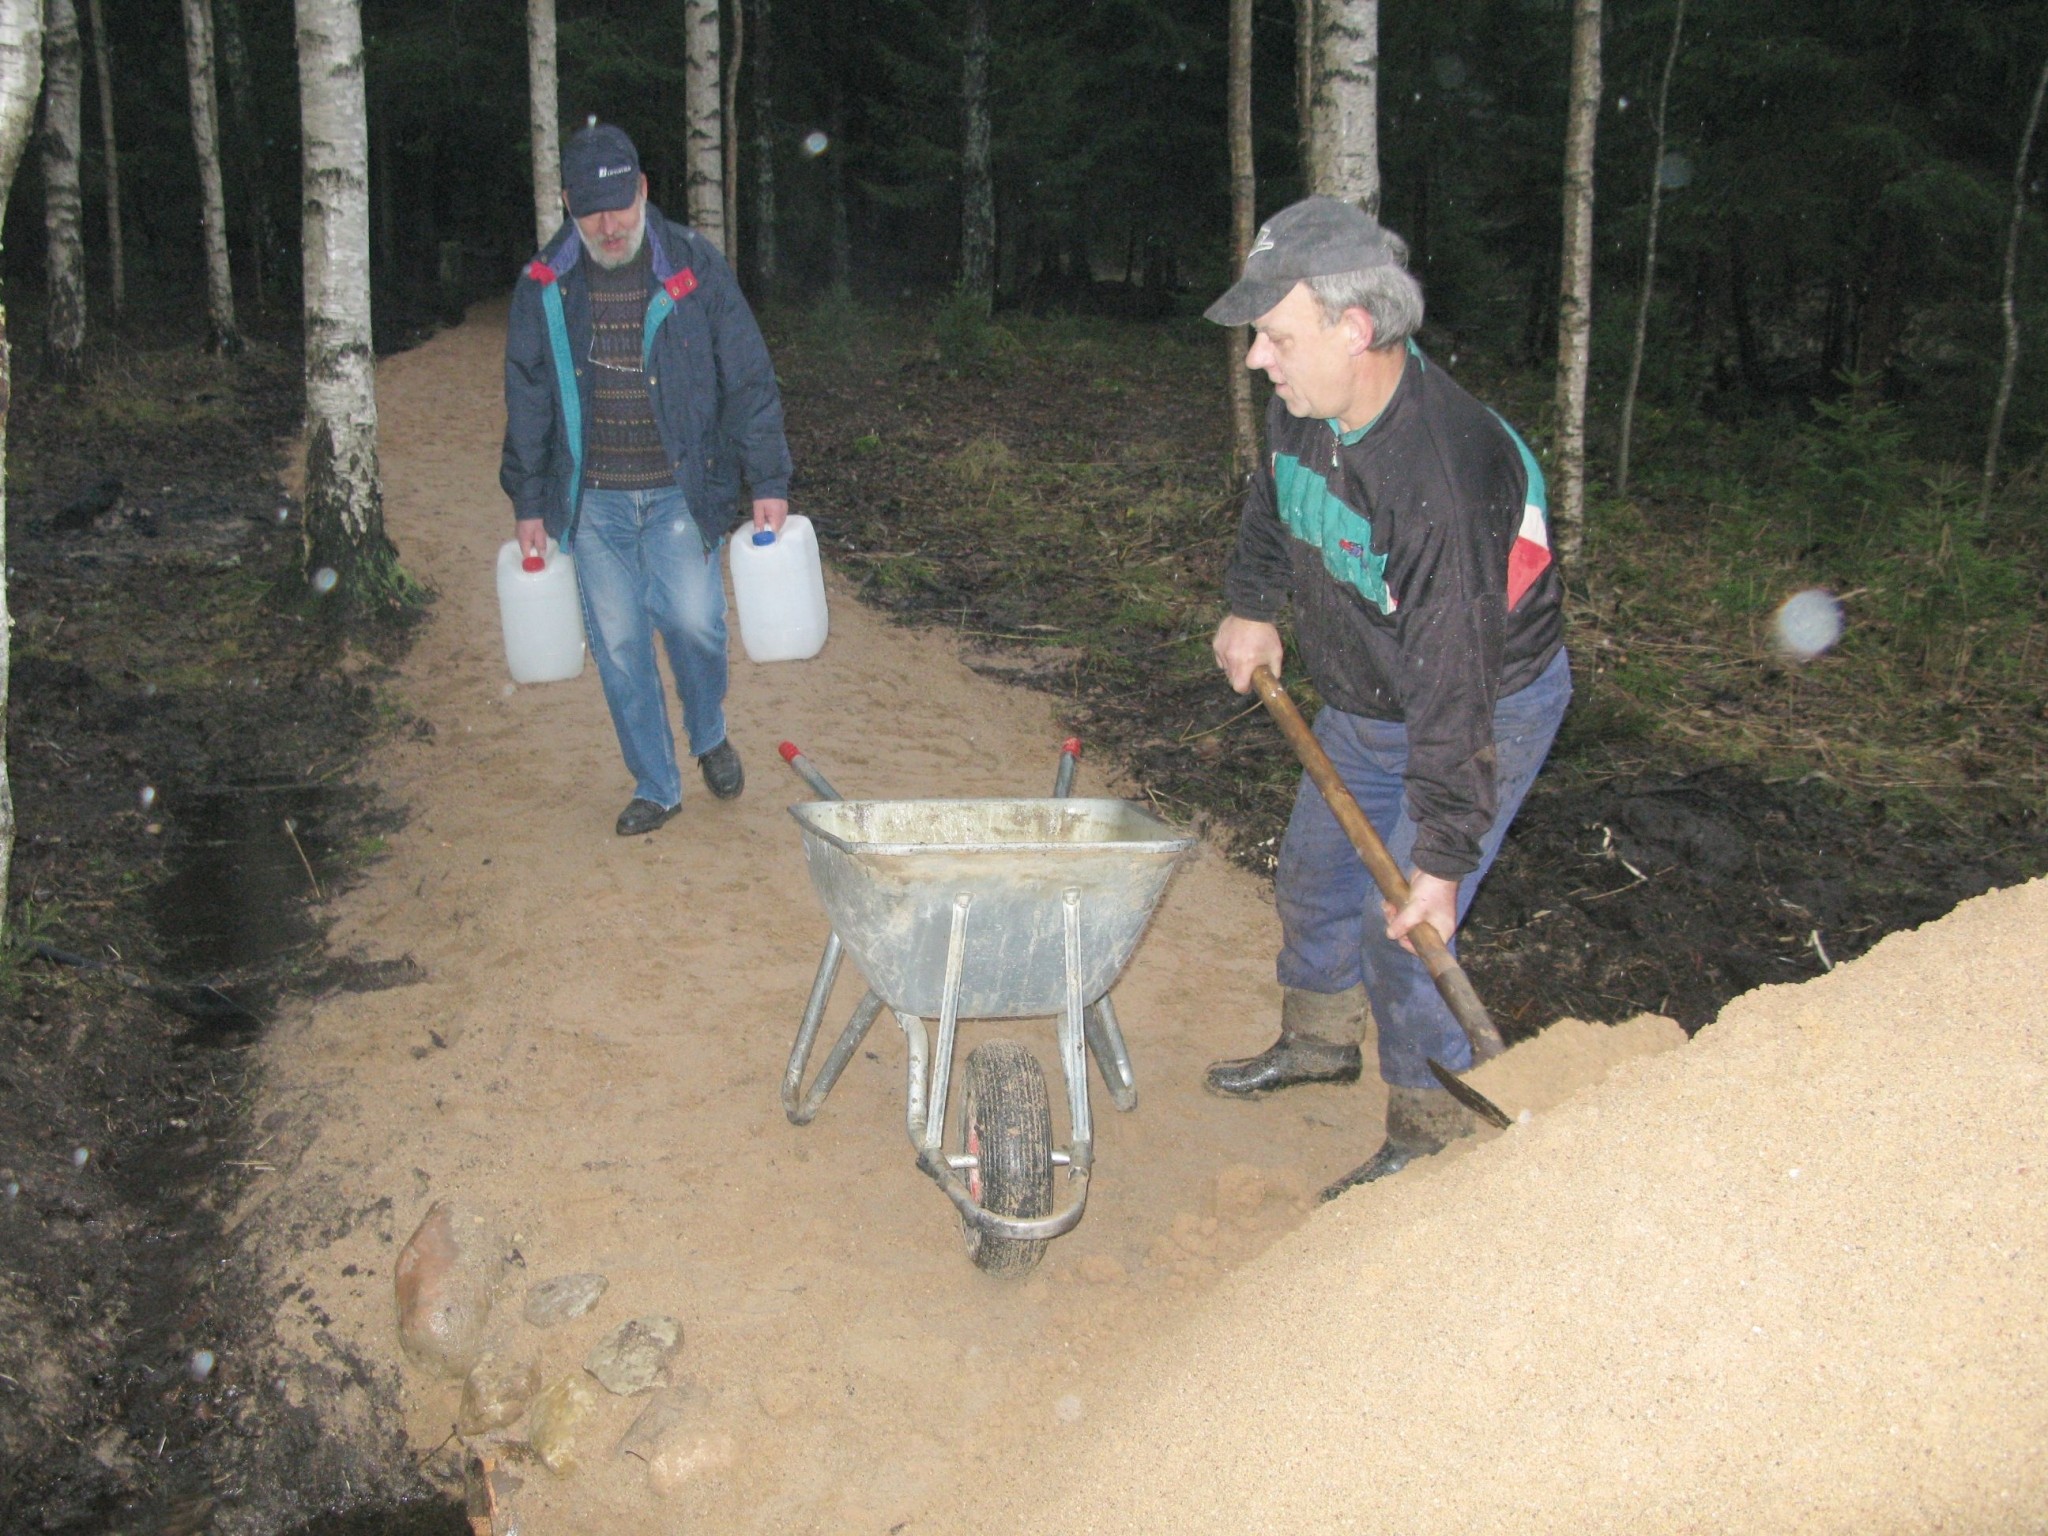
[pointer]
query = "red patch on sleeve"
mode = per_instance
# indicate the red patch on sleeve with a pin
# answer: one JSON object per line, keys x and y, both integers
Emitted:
{"x": 682, "y": 285}
{"x": 1527, "y": 560}
{"x": 540, "y": 271}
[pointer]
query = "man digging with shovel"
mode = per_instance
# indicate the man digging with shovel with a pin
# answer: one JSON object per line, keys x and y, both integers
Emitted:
{"x": 1406, "y": 523}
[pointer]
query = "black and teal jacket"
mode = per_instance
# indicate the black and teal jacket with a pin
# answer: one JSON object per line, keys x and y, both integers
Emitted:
{"x": 1416, "y": 554}
{"x": 715, "y": 399}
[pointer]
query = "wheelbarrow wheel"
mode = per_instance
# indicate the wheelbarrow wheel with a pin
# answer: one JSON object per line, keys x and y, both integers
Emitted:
{"x": 1006, "y": 1126}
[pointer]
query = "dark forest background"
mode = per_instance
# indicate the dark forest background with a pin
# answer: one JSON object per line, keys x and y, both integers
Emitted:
{"x": 1836, "y": 202}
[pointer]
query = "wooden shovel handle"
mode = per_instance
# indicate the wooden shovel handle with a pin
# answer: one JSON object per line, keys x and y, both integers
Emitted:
{"x": 1450, "y": 978}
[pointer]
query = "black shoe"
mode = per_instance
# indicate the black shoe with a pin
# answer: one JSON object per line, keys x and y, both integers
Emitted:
{"x": 1287, "y": 1061}
{"x": 1389, "y": 1159}
{"x": 723, "y": 775}
{"x": 643, "y": 816}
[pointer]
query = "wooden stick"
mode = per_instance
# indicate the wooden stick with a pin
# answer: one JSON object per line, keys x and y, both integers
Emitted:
{"x": 1450, "y": 978}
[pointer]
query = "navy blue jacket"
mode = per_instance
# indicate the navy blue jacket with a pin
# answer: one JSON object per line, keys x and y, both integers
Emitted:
{"x": 715, "y": 399}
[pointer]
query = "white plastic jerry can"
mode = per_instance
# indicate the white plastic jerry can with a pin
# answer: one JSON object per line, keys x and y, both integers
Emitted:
{"x": 542, "y": 616}
{"x": 780, "y": 589}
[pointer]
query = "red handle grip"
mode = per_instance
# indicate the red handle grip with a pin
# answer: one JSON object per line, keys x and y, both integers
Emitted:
{"x": 790, "y": 751}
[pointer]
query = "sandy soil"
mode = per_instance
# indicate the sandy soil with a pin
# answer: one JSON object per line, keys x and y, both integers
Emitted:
{"x": 1629, "y": 1311}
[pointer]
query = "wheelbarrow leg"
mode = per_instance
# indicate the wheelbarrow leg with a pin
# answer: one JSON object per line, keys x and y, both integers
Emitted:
{"x": 800, "y": 1107}
{"x": 1073, "y": 1042}
{"x": 949, "y": 1028}
{"x": 1112, "y": 1056}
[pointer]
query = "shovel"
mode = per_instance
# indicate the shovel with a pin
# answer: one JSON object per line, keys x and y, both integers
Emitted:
{"x": 1450, "y": 978}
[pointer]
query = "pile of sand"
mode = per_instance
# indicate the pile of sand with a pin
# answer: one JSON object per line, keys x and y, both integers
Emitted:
{"x": 1793, "y": 1276}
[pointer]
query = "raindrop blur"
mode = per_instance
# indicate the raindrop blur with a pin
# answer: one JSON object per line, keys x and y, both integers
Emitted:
{"x": 1674, "y": 171}
{"x": 148, "y": 796}
{"x": 1449, "y": 70}
{"x": 1068, "y": 1409}
{"x": 1182, "y": 66}
{"x": 1621, "y": 104}
{"x": 1808, "y": 623}
{"x": 284, "y": 512}
{"x": 80, "y": 1156}
{"x": 13, "y": 1190}
{"x": 200, "y": 1366}
{"x": 324, "y": 580}
{"x": 815, "y": 143}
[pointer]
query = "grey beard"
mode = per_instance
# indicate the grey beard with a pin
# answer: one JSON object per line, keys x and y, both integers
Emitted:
{"x": 632, "y": 251}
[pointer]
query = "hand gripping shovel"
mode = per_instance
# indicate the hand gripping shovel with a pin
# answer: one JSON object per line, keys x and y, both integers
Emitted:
{"x": 1450, "y": 978}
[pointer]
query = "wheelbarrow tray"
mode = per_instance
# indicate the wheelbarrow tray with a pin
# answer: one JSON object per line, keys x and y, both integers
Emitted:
{"x": 892, "y": 873}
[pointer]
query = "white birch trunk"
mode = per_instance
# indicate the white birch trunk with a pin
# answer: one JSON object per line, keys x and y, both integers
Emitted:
{"x": 117, "y": 264}
{"x": 2005, "y": 301}
{"x": 64, "y": 247}
{"x": 21, "y": 81}
{"x": 1346, "y": 103}
{"x": 1575, "y": 286}
{"x": 213, "y": 212}
{"x": 1305, "y": 87}
{"x": 1635, "y": 356}
{"x": 543, "y": 90}
{"x": 977, "y": 187}
{"x": 701, "y": 103}
{"x": 344, "y": 514}
{"x": 1243, "y": 219}
{"x": 764, "y": 148}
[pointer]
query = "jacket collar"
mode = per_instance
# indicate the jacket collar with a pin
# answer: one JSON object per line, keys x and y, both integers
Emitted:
{"x": 566, "y": 249}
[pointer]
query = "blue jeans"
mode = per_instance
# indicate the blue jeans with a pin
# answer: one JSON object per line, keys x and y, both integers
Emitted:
{"x": 1333, "y": 933}
{"x": 644, "y": 568}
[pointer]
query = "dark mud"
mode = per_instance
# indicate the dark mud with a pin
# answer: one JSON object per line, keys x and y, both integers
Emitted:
{"x": 1064, "y": 515}
{"x": 181, "y": 726}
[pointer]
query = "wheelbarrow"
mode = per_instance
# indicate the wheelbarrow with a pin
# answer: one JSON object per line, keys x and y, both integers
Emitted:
{"x": 984, "y": 909}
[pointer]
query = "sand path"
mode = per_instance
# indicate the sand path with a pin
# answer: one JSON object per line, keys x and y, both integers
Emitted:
{"x": 1790, "y": 1276}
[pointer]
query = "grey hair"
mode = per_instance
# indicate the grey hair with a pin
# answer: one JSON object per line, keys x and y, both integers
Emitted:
{"x": 1388, "y": 292}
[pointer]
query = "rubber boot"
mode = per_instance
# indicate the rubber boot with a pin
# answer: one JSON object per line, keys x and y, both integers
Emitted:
{"x": 1319, "y": 1043}
{"x": 1420, "y": 1121}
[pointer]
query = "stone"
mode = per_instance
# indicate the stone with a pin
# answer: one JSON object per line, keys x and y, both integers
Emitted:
{"x": 1240, "y": 1191}
{"x": 562, "y": 1298}
{"x": 444, "y": 1278}
{"x": 496, "y": 1392}
{"x": 557, "y": 1423}
{"x": 664, "y": 1411}
{"x": 487, "y": 1490}
{"x": 634, "y": 1357}
{"x": 687, "y": 1457}
{"x": 1103, "y": 1269}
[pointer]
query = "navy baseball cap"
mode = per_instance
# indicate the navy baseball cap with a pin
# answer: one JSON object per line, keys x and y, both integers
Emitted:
{"x": 600, "y": 170}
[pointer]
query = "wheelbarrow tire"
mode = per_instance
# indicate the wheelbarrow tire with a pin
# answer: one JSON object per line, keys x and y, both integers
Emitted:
{"x": 1006, "y": 1123}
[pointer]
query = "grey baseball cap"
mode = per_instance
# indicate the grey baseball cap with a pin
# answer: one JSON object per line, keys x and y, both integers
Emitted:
{"x": 600, "y": 170}
{"x": 1316, "y": 237}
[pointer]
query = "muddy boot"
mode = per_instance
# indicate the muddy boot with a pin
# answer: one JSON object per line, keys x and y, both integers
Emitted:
{"x": 1419, "y": 1121}
{"x": 1319, "y": 1036}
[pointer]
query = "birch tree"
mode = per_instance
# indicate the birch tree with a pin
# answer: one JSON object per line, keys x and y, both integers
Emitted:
{"x": 344, "y": 517}
{"x": 1575, "y": 285}
{"x": 2005, "y": 300}
{"x": 63, "y": 245}
{"x": 701, "y": 104}
{"x": 1243, "y": 219}
{"x": 21, "y": 81}
{"x": 117, "y": 265}
{"x": 764, "y": 148}
{"x": 222, "y": 335}
{"x": 1345, "y": 161}
{"x": 1635, "y": 357}
{"x": 1305, "y": 87}
{"x": 545, "y": 115}
{"x": 977, "y": 184}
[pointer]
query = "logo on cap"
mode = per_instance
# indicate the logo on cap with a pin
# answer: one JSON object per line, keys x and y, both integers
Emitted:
{"x": 1263, "y": 243}
{"x": 612, "y": 170}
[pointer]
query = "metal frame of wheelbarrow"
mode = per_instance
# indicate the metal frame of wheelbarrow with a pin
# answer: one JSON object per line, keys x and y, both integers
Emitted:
{"x": 1082, "y": 1026}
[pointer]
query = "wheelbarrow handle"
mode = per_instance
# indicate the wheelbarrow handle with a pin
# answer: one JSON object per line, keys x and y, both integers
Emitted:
{"x": 793, "y": 755}
{"x": 1450, "y": 978}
